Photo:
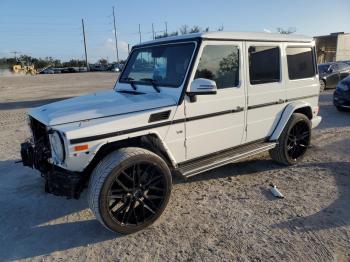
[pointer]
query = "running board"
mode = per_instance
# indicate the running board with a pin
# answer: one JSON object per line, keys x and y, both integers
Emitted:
{"x": 195, "y": 167}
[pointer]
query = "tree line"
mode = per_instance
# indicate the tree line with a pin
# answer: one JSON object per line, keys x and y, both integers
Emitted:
{"x": 185, "y": 29}
{"x": 39, "y": 62}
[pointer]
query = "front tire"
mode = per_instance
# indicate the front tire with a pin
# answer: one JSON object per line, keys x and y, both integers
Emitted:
{"x": 294, "y": 141}
{"x": 129, "y": 189}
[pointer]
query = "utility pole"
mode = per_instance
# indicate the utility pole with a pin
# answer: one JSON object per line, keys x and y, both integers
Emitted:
{"x": 140, "y": 32}
{"x": 153, "y": 31}
{"x": 115, "y": 36}
{"x": 86, "y": 59}
{"x": 166, "y": 28}
{"x": 128, "y": 48}
{"x": 15, "y": 53}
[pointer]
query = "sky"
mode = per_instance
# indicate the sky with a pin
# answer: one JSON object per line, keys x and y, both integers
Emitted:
{"x": 53, "y": 28}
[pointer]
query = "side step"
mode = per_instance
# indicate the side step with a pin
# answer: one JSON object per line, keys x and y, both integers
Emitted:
{"x": 203, "y": 164}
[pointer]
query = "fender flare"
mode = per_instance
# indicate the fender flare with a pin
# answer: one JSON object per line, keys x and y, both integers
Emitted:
{"x": 286, "y": 114}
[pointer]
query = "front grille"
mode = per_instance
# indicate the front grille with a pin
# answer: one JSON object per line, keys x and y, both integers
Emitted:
{"x": 40, "y": 135}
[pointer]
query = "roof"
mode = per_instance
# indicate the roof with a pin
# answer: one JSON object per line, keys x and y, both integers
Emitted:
{"x": 247, "y": 36}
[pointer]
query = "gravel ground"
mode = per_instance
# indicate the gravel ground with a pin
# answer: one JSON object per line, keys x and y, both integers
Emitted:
{"x": 225, "y": 214}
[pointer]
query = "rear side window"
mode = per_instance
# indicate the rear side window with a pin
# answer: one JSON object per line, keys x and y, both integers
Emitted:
{"x": 264, "y": 64}
{"x": 300, "y": 62}
{"x": 220, "y": 63}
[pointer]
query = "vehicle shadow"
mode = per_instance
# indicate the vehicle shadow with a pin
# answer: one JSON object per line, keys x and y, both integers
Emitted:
{"x": 337, "y": 214}
{"x": 34, "y": 223}
{"x": 29, "y": 104}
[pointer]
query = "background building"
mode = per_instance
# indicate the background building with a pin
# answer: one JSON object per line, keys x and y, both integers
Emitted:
{"x": 333, "y": 47}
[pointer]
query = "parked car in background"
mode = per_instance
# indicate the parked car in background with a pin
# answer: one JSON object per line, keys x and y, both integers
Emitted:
{"x": 332, "y": 73}
{"x": 69, "y": 70}
{"x": 47, "y": 71}
{"x": 346, "y": 62}
{"x": 57, "y": 70}
{"x": 341, "y": 97}
{"x": 98, "y": 67}
{"x": 82, "y": 69}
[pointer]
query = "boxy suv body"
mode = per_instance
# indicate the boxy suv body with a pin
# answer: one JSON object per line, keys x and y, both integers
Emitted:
{"x": 181, "y": 105}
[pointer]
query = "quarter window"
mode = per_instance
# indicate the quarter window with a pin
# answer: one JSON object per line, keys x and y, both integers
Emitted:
{"x": 300, "y": 62}
{"x": 264, "y": 64}
{"x": 220, "y": 63}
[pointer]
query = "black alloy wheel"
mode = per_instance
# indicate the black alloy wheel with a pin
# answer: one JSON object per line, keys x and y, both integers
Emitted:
{"x": 298, "y": 140}
{"x": 137, "y": 194}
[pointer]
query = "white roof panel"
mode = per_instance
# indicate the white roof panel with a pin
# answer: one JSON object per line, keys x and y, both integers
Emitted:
{"x": 246, "y": 36}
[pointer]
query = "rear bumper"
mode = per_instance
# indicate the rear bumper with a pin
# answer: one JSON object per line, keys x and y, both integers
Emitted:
{"x": 58, "y": 181}
{"x": 315, "y": 121}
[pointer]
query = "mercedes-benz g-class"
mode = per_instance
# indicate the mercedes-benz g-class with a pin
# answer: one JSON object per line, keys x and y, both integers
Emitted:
{"x": 183, "y": 105}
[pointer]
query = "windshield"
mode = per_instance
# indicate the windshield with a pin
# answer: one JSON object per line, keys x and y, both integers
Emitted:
{"x": 323, "y": 68}
{"x": 164, "y": 65}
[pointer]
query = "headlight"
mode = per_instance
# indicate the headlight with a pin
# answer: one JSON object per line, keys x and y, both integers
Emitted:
{"x": 57, "y": 147}
{"x": 342, "y": 87}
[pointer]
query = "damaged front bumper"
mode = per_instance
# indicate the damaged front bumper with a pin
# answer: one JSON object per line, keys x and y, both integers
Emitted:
{"x": 58, "y": 181}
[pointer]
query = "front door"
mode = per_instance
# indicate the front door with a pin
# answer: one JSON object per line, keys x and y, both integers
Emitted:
{"x": 266, "y": 93}
{"x": 216, "y": 122}
{"x": 333, "y": 77}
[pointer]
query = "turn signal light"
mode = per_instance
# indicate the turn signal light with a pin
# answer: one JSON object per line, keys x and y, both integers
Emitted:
{"x": 81, "y": 147}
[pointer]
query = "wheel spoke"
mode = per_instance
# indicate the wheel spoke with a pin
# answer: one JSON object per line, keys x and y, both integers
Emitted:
{"x": 120, "y": 209}
{"x": 127, "y": 211}
{"x": 156, "y": 188}
{"x": 145, "y": 172}
{"x": 126, "y": 189}
{"x": 153, "y": 197}
{"x": 114, "y": 204}
{"x": 116, "y": 196}
{"x": 127, "y": 176}
{"x": 154, "y": 181}
{"x": 149, "y": 209}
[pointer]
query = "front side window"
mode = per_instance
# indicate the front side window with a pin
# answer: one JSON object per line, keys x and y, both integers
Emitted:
{"x": 165, "y": 65}
{"x": 323, "y": 68}
{"x": 219, "y": 63}
{"x": 264, "y": 64}
{"x": 300, "y": 62}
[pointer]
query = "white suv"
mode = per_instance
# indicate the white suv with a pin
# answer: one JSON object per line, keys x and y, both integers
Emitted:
{"x": 183, "y": 104}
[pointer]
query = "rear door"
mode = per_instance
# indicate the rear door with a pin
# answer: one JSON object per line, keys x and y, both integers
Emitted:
{"x": 216, "y": 122}
{"x": 266, "y": 93}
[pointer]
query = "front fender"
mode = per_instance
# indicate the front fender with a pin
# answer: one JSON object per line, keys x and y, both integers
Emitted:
{"x": 286, "y": 114}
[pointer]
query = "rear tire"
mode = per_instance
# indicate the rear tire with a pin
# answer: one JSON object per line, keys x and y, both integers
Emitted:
{"x": 294, "y": 141}
{"x": 129, "y": 189}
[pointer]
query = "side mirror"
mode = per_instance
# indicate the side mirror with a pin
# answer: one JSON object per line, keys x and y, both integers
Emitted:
{"x": 202, "y": 86}
{"x": 330, "y": 70}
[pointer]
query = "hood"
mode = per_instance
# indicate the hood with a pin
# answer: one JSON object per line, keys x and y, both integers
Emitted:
{"x": 97, "y": 105}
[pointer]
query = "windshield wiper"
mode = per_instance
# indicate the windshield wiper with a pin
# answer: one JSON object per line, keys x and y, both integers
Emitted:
{"x": 153, "y": 82}
{"x": 131, "y": 81}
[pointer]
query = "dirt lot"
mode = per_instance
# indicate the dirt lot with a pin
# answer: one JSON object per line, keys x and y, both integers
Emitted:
{"x": 225, "y": 214}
